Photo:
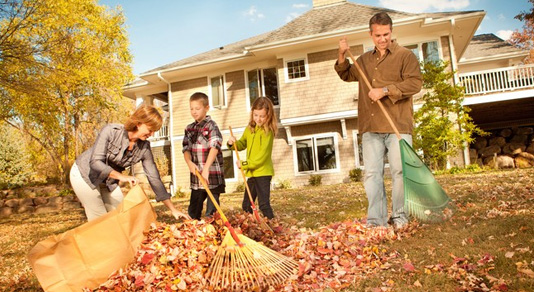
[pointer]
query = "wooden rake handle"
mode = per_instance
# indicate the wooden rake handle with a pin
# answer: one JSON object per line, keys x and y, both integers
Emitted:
{"x": 366, "y": 81}
{"x": 253, "y": 206}
{"x": 212, "y": 198}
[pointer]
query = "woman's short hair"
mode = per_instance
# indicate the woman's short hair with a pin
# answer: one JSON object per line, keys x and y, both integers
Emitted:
{"x": 144, "y": 114}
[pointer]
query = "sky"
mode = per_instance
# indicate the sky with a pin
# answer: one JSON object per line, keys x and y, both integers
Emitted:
{"x": 164, "y": 31}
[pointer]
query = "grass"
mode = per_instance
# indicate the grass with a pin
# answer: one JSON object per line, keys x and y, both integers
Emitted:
{"x": 494, "y": 221}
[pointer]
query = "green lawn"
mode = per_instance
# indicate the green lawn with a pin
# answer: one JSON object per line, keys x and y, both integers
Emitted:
{"x": 486, "y": 246}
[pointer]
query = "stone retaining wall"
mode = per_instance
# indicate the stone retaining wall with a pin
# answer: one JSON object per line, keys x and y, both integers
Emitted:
{"x": 38, "y": 205}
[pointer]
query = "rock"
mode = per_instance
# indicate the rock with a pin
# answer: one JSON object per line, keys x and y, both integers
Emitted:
{"x": 1, "y": 203}
{"x": 527, "y": 156}
{"x": 26, "y": 209}
{"x": 5, "y": 212}
{"x": 506, "y": 133}
{"x": 504, "y": 161}
{"x": 530, "y": 148}
{"x": 71, "y": 205}
{"x": 28, "y": 193}
{"x": 480, "y": 142}
{"x": 13, "y": 203}
{"x": 55, "y": 201}
{"x": 26, "y": 202}
{"x": 40, "y": 201}
{"x": 513, "y": 148}
{"x": 500, "y": 141}
{"x": 473, "y": 154}
{"x": 525, "y": 131}
{"x": 521, "y": 162}
{"x": 46, "y": 209}
{"x": 489, "y": 151}
{"x": 522, "y": 139}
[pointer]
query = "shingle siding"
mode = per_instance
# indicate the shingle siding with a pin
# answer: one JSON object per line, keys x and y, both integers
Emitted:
{"x": 322, "y": 93}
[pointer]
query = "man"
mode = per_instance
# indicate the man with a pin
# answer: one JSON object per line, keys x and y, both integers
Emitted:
{"x": 395, "y": 76}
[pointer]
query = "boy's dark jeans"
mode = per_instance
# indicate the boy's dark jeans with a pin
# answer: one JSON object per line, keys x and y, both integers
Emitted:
{"x": 196, "y": 203}
{"x": 260, "y": 187}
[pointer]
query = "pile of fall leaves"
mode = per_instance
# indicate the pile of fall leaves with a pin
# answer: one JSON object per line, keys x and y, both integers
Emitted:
{"x": 176, "y": 257}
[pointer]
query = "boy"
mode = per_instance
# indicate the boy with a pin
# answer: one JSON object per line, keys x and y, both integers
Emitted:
{"x": 202, "y": 151}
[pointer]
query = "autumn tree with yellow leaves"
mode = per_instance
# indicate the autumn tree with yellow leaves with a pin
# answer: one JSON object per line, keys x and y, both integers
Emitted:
{"x": 63, "y": 63}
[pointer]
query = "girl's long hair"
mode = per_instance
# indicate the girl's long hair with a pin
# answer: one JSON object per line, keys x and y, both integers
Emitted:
{"x": 270, "y": 124}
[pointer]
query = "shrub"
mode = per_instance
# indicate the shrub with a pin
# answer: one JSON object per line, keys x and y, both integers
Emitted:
{"x": 355, "y": 174}
{"x": 180, "y": 192}
{"x": 315, "y": 180}
{"x": 66, "y": 193}
{"x": 15, "y": 167}
{"x": 162, "y": 163}
{"x": 240, "y": 187}
{"x": 284, "y": 184}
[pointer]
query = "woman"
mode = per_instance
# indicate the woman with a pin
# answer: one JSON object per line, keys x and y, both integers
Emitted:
{"x": 96, "y": 174}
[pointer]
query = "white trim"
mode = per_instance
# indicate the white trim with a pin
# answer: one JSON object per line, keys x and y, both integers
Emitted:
{"x": 171, "y": 129}
{"x": 319, "y": 118}
{"x": 499, "y": 97}
{"x": 288, "y": 134}
{"x": 343, "y": 129}
{"x": 210, "y": 92}
{"x": 314, "y": 137}
{"x": 306, "y": 69}
{"x": 159, "y": 143}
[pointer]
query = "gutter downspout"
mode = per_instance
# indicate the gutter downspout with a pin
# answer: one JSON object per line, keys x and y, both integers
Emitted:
{"x": 454, "y": 66}
{"x": 171, "y": 128}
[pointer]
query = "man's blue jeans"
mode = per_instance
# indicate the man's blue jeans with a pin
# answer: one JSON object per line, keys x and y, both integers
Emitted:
{"x": 375, "y": 146}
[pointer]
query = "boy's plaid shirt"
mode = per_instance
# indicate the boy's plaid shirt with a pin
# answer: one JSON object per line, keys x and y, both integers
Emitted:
{"x": 199, "y": 138}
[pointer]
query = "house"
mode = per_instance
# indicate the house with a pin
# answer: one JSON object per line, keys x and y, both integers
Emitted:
{"x": 294, "y": 66}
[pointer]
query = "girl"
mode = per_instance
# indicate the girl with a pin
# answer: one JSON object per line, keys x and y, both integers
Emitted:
{"x": 258, "y": 140}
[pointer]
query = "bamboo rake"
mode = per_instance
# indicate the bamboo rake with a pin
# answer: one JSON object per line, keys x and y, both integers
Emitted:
{"x": 263, "y": 225}
{"x": 242, "y": 264}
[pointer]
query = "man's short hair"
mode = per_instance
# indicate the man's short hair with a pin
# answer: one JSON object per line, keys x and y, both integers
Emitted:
{"x": 380, "y": 18}
{"x": 200, "y": 96}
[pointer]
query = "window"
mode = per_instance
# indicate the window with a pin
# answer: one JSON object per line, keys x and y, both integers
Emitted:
{"x": 228, "y": 164}
{"x": 296, "y": 69}
{"x": 218, "y": 94}
{"x": 358, "y": 151}
{"x": 428, "y": 51}
{"x": 263, "y": 82}
{"x": 316, "y": 154}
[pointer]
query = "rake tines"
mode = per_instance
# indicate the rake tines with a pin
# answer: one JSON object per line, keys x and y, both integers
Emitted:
{"x": 242, "y": 264}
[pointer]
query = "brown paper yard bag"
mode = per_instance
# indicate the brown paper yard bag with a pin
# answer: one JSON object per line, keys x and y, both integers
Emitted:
{"x": 86, "y": 255}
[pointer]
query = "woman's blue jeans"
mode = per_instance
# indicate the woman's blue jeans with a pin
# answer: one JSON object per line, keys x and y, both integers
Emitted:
{"x": 375, "y": 147}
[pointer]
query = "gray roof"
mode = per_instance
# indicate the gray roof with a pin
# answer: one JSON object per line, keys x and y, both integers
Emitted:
{"x": 485, "y": 45}
{"x": 318, "y": 20}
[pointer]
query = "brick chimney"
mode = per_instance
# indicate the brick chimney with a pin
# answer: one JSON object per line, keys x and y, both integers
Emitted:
{"x": 319, "y": 3}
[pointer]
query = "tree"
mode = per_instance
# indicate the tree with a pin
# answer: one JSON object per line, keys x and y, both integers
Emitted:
{"x": 14, "y": 168}
{"x": 443, "y": 125}
{"x": 76, "y": 74}
{"x": 525, "y": 39}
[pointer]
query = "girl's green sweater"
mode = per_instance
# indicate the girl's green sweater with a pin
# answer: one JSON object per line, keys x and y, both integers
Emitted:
{"x": 259, "y": 147}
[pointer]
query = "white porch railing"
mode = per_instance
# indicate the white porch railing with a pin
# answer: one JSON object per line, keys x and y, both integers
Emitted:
{"x": 498, "y": 80}
{"x": 162, "y": 133}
